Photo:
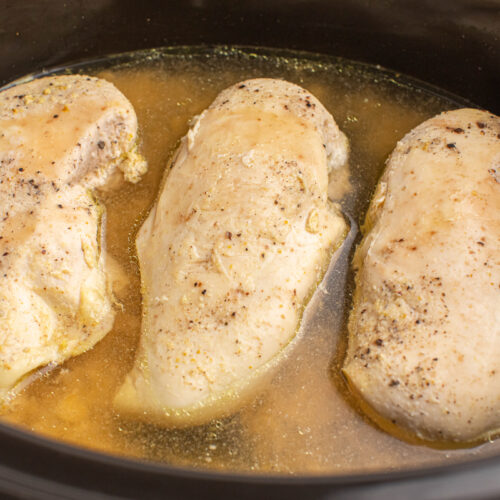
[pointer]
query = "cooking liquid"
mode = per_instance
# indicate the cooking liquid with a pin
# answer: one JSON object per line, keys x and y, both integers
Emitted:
{"x": 304, "y": 421}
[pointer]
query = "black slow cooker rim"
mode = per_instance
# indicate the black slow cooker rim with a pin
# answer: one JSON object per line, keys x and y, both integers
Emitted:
{"x": 87, "y": 454}
{"x": 456, "y": 41}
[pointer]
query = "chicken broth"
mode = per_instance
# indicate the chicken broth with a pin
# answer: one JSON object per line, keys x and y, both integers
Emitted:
{"x": 304, "y": 420}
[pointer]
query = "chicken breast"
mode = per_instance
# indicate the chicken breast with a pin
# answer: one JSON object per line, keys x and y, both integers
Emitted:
{"x": 60, "y": 137}
{"x": 239, "y": 238}
{"x": 424, "y": 332}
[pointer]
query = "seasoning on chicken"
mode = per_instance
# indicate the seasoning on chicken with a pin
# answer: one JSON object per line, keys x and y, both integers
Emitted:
{"x": 238, "y": 240}
{"x": 424, "y": 333}
{"x": 60, "y": 137}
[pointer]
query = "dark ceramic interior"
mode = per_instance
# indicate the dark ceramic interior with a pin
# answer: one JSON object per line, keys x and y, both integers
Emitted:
{"x": 454, "y": 44}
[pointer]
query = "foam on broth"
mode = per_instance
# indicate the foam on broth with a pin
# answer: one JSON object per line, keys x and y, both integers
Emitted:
{"x": 304, "y": 421}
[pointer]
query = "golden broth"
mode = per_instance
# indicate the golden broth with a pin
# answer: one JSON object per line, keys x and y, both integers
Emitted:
{"x": 304, "y": 421}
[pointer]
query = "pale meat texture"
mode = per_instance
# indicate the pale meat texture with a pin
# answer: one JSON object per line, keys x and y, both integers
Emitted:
{"x": 239, "y": 238}
{"x": 424, "y": 333}
{"x": 59, "y": 138}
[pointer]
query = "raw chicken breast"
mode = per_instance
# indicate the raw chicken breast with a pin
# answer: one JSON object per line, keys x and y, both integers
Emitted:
{"x": 59, "y": 137}
{"x": 239, "y": 238}
{"x": 424, "y": 333}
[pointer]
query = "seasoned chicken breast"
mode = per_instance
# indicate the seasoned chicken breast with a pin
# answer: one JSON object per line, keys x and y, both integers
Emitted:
{"x": 239, "y": 238}
{"x": 59, "y": 138}
{"x": 424, "y": 332}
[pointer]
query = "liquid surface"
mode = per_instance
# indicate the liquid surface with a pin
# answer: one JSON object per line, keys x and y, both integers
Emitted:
{"x": 304, "y": 421}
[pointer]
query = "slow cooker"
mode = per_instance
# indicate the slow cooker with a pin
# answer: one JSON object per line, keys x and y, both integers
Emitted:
{"x": 453, "y": 44}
